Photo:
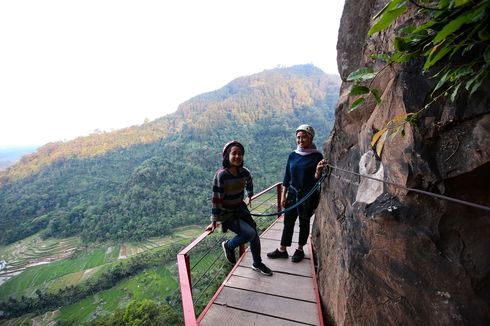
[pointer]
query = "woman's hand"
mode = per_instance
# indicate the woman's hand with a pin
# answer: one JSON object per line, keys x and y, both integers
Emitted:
{"x": 319, "y": 168}
{"x": 283, "y": 200}
{"x": 284, "y": 193}
{"x": 283, "y": 203}
{"x": 211, "y": 227}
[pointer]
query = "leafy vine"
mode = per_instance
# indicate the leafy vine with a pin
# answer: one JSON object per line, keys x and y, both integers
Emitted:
{"x": 454, "y": 42}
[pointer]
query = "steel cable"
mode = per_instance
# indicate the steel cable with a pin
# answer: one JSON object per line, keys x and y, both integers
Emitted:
{"x": 302, "y": 200}
{"x": 428, "y": 193}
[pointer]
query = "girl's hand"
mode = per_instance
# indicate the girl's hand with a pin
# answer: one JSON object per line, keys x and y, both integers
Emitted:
{"x": 211, "y": 227}
{"x": 248, "y": 202}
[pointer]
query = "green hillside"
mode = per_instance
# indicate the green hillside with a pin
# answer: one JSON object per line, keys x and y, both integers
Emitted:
{"x": 95, "y": 280}
{"x": 146, "y": 180}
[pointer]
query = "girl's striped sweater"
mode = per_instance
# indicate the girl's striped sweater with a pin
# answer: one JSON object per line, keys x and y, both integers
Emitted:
{"x": 228, "y": 191}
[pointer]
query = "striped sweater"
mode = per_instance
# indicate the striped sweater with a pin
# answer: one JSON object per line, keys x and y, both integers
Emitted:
{"x": 228, "y": 191}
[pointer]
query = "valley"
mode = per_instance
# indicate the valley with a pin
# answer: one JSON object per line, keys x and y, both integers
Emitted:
{"x": 91, "y": 227}
{"x": 38, "y": 267}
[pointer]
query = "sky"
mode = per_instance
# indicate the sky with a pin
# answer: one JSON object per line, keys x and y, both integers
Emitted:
{"x": 69, "y": 68}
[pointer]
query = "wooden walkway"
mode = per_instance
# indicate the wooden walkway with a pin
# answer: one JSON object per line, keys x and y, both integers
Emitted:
{"x": 288, "y": 297}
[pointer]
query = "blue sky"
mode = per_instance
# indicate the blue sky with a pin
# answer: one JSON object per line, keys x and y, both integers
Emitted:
{"x": 68, "y": 68}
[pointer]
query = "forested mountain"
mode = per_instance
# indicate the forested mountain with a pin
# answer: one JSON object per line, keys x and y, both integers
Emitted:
{"x": 144, "y": 180}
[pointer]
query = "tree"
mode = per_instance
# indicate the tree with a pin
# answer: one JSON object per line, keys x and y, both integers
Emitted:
{"x": 141, "y": 313}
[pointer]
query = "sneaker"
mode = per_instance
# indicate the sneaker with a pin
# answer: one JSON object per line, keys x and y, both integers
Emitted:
{"x": 229, "y": 254}
{"x": 278, "y": 254}
{"x": 260, "y": 267}
{"x": 298, "y": 256}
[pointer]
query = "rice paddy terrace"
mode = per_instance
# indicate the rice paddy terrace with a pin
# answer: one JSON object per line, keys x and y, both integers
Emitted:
{"x": 35, "y": 264}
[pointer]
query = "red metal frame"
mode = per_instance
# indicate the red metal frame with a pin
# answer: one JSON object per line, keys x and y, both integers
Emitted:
{"x": 315, "y": 284}
{"x": 186, "y": 290}
{"x": 279, "y": 195}
{"x": 183, "y": 263}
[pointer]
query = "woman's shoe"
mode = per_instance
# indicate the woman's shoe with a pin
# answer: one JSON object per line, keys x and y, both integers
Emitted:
{"x": 298, "y": 256}
{"x": 278, "y": 254}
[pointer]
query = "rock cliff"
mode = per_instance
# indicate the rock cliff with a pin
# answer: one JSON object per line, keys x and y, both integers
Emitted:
{"x": 387, "y": 255}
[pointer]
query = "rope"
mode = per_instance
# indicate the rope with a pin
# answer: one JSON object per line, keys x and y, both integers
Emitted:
{"x": 428, "y": 193}
{"x": 311, "y": 192}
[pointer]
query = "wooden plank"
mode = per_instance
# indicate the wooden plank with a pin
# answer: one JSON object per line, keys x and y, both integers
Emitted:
{"x": 282, "y": 266}
{"x": 278, "y": 225}
{"x": 265, "y": 304}
{"x": 222, "y": 315}
{"x": 268, "y": 245}
{"x": 249, "y": 298}
{"x": 277, "y": 234}
{"x": 286, "y": 285}
{"x": 276, "y": 231}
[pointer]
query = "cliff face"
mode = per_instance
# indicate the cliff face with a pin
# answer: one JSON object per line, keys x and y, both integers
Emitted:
{"x": 387, "y": 255}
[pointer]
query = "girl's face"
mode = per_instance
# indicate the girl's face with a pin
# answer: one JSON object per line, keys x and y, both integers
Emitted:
{"x": 236, "y": 156}
{"x": 303, "y": 139}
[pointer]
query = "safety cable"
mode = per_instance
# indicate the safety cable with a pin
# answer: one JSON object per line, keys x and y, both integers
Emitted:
{"x": 311, "y": 192}
{"x": 211, "y": 282}
{"x": 209, "y": 249}
{"x": 325, "y": 173}
{"x": 208, "y": 268}
{"x": 269, "y": 202}
{"x": 459, "y": 201}
{"x": 264, "y": 202}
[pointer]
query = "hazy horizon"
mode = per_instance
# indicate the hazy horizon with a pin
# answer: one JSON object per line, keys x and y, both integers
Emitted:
{"x": 63, "y": 78}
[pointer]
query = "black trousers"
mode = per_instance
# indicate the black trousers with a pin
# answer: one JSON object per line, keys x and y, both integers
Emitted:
{"x": 303, "y": 212}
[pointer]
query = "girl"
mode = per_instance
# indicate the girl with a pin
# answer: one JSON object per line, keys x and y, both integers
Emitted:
{"x": 230, "y": 210}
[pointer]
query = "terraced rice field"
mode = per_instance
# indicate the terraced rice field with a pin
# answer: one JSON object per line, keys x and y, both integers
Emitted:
{"x": 34, "y": 251}
{"x": 129, "y": 249}
{"x": 58, "y": 274}
{"x": 50, "y": 265}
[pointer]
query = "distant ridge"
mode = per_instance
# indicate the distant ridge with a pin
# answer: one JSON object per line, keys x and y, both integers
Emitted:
{"x": 279, "y": 89}
{"x": 145, "y": 180}
{"x": 10, "y": 155}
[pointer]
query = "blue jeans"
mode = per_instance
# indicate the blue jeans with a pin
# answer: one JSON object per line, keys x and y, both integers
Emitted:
{"x": 244, "y": 233}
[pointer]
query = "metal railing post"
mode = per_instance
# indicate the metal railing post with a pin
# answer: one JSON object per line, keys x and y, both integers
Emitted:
{"x": 279, "y": 193}
{"x": 186, "y": 289}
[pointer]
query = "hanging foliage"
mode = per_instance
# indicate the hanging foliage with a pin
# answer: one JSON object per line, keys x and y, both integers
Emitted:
{"x": 454, "y": 42}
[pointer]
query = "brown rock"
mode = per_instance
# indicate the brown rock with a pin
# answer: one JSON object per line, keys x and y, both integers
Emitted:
{"x": 404, "y": 258}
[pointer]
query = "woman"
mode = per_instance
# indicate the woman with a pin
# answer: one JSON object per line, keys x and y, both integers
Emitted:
{"x": 303, "y": 169}
{"x": 230, "y": 210}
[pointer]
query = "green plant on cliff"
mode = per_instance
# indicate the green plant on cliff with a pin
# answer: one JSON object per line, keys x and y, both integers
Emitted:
{"x": 454, "y": 42}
